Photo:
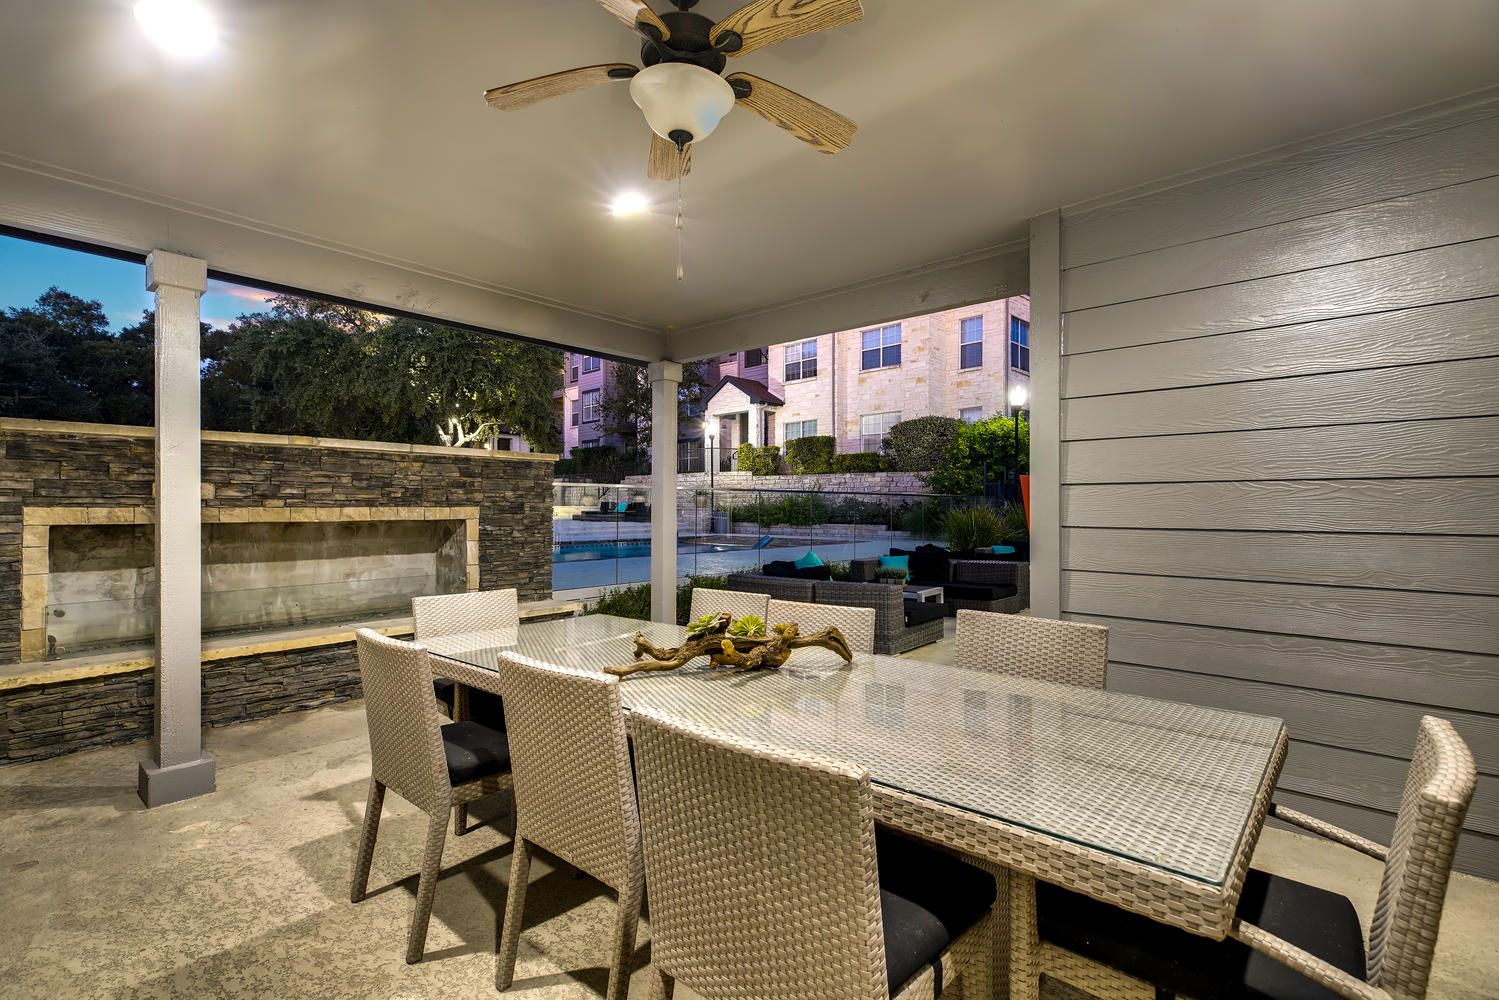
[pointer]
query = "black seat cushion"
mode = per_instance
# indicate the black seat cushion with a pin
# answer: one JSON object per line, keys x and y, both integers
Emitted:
{"x": 474, "y": 751}
{"x": 921, "y": 612}
{"x": 928, "y": 898}
{"x": 789, "y": 569}
{"x": 977, "y": 591}
{"x": 1316, "y": 920}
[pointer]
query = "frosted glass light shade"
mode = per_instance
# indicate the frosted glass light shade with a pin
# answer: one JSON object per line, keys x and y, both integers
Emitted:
{"x": 681, "y": 97}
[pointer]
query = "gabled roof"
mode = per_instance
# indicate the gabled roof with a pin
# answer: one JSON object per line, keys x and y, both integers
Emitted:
{"x": 756, "y": 391}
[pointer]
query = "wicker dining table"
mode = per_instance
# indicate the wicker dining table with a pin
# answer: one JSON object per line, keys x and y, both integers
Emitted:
{"x": 1152, "y": 805}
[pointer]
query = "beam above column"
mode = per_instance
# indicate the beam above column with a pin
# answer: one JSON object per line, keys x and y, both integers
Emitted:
{"x": 666, "y": 379}
{"x": 180, "y": 769}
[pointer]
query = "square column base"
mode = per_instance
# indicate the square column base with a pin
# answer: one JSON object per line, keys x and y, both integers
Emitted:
{"x": 158, "y": 786}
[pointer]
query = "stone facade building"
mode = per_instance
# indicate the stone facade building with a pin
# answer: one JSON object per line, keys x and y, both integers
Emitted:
{"x": 853, "y": 385}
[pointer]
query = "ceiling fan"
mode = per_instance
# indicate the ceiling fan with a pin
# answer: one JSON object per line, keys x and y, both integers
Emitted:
{"x": 680, "y": 89}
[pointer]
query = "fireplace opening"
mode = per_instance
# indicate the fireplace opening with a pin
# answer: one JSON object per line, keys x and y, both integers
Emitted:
{"x": 257, "y": 576}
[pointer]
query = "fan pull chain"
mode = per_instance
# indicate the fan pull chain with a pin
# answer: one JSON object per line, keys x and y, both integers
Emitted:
{"x": 681, "y": 162}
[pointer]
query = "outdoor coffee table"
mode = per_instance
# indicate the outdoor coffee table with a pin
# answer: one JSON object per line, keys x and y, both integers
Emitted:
{"x": 1151, "y": 805}
{"x": 926, "y": 595}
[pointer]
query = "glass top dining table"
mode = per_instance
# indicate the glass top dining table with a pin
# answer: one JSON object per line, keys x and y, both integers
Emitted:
{"x": 1168, "y": 785}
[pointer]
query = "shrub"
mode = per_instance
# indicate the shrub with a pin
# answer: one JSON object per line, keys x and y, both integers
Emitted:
{"x": 604, "y": 463}
{"x": 635, "y": 601}
{"x": 972, "y": 527}
{"x": 565, "y": 467}
{"x": 1012, "y": 524}
{"x": 859, "y": 461}
{"x": 983, "y": 453}
{"x": 840, "y": 571}
{"x": 811, "y": 456}
{"x": 920, "y": 445}
{"x": 762, "y": 461}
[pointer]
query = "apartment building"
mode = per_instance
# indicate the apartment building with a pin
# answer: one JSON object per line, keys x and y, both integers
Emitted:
{"x": 853, "y": 385}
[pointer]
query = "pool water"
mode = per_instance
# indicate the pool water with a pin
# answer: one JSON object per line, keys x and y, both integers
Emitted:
{"x": 589, "y": 551}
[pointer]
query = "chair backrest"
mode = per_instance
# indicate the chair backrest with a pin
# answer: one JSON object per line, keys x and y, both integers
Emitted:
{"x": 1403, "y": 931}
{"x": 1039, "y": 648}
{"x": 759, "y": 865}
{"x": 856, "y": 624}
{"x": 404, "y": 726}
{"x": 886, "y": 599}
{"x": 476, "y": 611}
{"x": 574, "y": 788}
{"x": 736, "y": 603}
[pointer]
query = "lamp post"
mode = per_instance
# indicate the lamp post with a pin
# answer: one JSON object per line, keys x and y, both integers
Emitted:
{"x": 1018, "y": 397}
{"x": 712, "y": 469}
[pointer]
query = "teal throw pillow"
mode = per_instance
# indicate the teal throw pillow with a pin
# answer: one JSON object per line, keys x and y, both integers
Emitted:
{"x": 1003, "y": 550}
{"x": 622, "y": 507}
{"x": 809, "y": 560}
{"x": 899, "y": 562}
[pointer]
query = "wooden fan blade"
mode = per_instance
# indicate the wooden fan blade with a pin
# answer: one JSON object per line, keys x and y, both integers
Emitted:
{"x": 529, "y": 92}
{"x": 635, "y": 13}
{"x": 766, "y": 22}
{"x": 821, "y": 128}
{"x": 665, "y": 162}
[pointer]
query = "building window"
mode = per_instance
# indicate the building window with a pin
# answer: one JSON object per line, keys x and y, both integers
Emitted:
{"x": 971, "y": 343}
{"x": 592, "y": 406}
{"x": 801, "y": 360}
{"x": 1020, "y": 344}
{"x": 590, "y": 443}
{"x": 572, "y": 372}
{"x": 590, "y": 364}
{"x": 573, "y": 405}
{"x": 881, "y": 347}
{"x": 971, "y": 415}
{"x": 800, "y": 429}
{"x": 754, "y": 357}
{"x": 874, "y": 426}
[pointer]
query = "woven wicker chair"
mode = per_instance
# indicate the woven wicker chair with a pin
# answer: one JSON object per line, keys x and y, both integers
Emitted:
{"x": 1053, "y": 928}
{"x": 1038, "y": 648}
{"x": 456, "y": 614}
{"x": 432, "y": 766}
{"x": 476, "y": 611}
{"x": 765, "y": 884}
{"x": 856, "y": 624}
{"x": 712, "y": 602}
{"x": 574, "y": 796}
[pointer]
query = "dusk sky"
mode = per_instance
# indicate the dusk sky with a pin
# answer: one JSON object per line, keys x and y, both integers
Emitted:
{"x": 28, "y": 269}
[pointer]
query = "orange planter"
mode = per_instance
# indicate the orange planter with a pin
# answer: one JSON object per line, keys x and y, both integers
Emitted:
{"x": 1025, "y": 496}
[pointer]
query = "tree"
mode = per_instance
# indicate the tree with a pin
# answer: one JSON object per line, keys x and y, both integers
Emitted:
{"x": 920, "y": 444}
{"x": 59, "y": 361}
{"x": 983, "y": 453}
{"x": 626, "y": 401}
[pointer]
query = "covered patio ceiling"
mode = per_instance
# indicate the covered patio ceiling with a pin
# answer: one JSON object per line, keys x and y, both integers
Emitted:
{"x": 343, "y": 147}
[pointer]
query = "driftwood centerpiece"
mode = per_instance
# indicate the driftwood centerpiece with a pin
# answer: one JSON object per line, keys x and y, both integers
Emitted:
{"x": 751, "y": 652}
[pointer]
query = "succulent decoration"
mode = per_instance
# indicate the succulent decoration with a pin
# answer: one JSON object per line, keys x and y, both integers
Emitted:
{"x": 699, "y": 627}
{"x": 748, "y": 625}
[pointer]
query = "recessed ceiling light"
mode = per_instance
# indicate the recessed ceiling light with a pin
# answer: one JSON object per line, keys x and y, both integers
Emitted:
{"x": 630, "y": 203}
{"x": 181, "y": 27}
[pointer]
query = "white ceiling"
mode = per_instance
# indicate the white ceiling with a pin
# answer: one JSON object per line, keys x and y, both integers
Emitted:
{"x": 360, "y": 125}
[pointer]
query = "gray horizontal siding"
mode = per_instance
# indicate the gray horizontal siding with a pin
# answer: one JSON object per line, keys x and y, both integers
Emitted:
{"x": 1444, "y": 564}
{"x": 1280, "y": 453}
{"x": 1419, "y": 156}
{"x": 1447, "y": 332}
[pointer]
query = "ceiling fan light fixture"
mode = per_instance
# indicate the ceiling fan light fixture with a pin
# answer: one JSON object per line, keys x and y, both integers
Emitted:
{"x": 183, "y": 28}
{"x": 679, "y": 97}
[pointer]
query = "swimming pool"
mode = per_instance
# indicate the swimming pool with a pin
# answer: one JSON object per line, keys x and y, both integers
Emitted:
{"x": 589, "y": 551}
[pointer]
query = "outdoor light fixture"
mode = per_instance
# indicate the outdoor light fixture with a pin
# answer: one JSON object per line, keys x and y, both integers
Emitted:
{"x": 629, "y": 203}
{"x": 682, "y": 102}
{"x": 181, "y": 27}
{"x": 1018, "y": 396}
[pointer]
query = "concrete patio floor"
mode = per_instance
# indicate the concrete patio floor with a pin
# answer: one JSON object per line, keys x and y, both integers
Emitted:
{"x": 244, "y": 893}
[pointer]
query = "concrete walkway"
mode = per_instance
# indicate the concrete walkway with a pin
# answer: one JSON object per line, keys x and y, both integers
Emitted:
{"x": 244, "y": 893}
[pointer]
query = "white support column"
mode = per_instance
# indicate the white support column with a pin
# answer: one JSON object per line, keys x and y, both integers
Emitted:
{"x": 666, "y": 379}
{"x": 180, "y": 770}
{"x": 756, "y": 425}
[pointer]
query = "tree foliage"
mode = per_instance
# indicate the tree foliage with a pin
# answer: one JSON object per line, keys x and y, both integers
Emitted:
{"x": 59, "y": 361}
{"x": 920, "y": 444}
{"x": 626, "y": 401}
{"x": 303, "y": 367}
{"x": 811, "y": 455}
{"x": 983, "y": 453}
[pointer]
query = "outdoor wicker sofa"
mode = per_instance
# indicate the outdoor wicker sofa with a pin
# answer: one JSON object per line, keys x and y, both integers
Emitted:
{"x": 899, "y": 625}
{"x": 997, "y": 585}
